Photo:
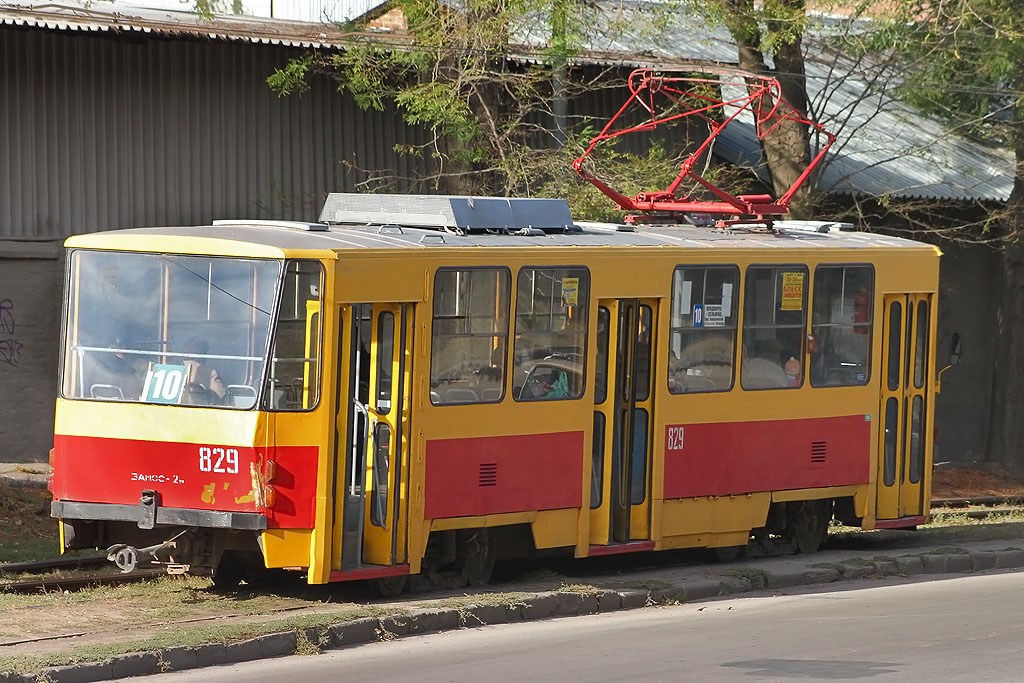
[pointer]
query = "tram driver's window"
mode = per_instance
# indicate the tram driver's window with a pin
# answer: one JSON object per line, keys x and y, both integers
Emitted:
{"x": 469, "y": 340}
{"x": 841, "y": 320}
{"x": 293, "y": 382}
{"x": 774, "y": 327}
{"x": 702, "y": 345}
{"x": 551, "y": 333}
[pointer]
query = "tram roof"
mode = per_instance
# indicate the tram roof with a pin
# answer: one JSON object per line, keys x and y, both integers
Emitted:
{"x": 272, "y": 239}
{"x": 391, "y": 222}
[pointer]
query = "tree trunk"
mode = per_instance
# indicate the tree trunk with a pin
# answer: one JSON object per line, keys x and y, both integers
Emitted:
{"x": 789, "y": 146}
{"x": 787, "y": 149}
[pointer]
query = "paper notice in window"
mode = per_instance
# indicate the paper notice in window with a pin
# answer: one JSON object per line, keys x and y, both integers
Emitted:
{"x": 792, "y": 291}
{"x": 714, "y": 315}
{"x": 570, "y": 291}
{"x": 685, "y": 297}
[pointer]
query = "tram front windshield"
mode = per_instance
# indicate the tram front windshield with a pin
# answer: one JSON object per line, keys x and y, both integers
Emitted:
{"x": 171, "y": 329}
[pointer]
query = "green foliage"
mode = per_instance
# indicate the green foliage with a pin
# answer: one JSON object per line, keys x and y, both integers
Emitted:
{"x": 628, "y": 172}
{"x": 964, "y": 62}
{"x": 292, "y": 78}
{"x": 449, "y": 74}
{"x": 438, "y": 106}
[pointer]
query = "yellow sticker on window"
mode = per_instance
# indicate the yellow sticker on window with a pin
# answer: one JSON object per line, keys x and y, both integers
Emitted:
{"x": 792, "y": 291}
{"x": 570, "y": 291}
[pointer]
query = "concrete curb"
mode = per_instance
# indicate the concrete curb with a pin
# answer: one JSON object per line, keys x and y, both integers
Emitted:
{"x": 735, "y": 580}
{"x": 28, "y": 474}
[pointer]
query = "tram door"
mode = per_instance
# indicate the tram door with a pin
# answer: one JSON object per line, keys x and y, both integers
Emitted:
{"x": 622, "y": 422}
{"x": 903, "y": 413}
{"x": 373, "y": 435}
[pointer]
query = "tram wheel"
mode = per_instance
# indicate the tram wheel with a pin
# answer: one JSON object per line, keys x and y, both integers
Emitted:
{"x": 477, "y": 557}
{"x": 728, "y": 553}
{"x": 808, "y": 524}
{"x": 389, "y": 586}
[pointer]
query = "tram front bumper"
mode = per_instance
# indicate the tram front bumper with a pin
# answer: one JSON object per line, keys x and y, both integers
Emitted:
{"x": 164, "y": 516}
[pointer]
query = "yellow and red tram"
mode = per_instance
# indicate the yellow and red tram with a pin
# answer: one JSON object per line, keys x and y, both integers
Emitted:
{"x": 419, "y": 385}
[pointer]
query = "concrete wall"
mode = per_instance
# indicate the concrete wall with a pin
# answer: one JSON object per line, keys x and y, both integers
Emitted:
{"x": 29, "y": 322}
{"x": 967, "y": 304}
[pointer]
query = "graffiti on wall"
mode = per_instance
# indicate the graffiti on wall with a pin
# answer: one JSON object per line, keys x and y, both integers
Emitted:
{"x": 10, "y": 348}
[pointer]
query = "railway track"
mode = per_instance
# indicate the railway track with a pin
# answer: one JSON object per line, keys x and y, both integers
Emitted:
{"x": 74, "y": 583}
{"x": 61, "y": 582}
{"x": 41, "y": 566}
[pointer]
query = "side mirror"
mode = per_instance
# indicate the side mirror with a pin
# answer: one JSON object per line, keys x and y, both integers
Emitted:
{"x": 954, "y": 349}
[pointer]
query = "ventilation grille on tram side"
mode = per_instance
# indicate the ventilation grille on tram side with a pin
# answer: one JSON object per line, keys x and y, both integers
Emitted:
{"x": 819, "y": 450}
{"x": 488, "y": 474}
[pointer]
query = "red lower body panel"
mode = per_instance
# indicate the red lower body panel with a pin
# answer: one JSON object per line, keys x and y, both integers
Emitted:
{"x": 718, "y": 459}
{"x": 498, "y": 474}
{"x": 186, "y": 475}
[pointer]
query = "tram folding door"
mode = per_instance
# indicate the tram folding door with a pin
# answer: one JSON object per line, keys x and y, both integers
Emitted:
{"x": 373, "y": 435}
{"x": 903, "y": 414}
{"x": 621, "y": 476}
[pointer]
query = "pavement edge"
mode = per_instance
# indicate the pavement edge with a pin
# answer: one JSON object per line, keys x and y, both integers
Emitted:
{"x": 562, "y": 603}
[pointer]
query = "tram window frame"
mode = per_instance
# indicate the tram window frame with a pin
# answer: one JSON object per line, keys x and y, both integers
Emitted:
{"x": 759, "y": 349}
{"x": 581, "y": 331}
{"x": 603, "y": 339}
{"x": 316, "y": 355}
{"x": 139, "y": 349}
{"x": 922, "y": 327}
{"x": 676, "y": 326}
{"x": 821, "y": 331}
{"x": 499, "y": 314}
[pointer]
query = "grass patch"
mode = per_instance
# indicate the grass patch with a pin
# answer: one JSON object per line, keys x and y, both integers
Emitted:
{"x": 749, "y": 573}
{"x": 948, "y": 550}
{"x": 27, "y": 532}
{"x": 828, "y": 565}
{"x": 193, "y": 637}
{"x": 580, "y": 589}
{"x": 464, "y": 602}
{"x": 648, "y": 584}
{"x": 133, "y": 606}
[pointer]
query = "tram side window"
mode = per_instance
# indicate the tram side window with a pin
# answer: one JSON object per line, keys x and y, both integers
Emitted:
{"x": 841, "y": 322}
{"x": 702, "y": 345}
{"x": 551, "y": 333}
{"x": 293, "y": 382}
{"x": 470, "y": 335}
{"x": 774, "y": 323}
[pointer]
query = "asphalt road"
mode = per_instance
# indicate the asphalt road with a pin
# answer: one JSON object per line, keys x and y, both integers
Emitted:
{"x": 961, "y": 628}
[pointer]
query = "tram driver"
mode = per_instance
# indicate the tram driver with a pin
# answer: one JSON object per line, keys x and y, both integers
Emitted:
{"x": 203, "y": 383}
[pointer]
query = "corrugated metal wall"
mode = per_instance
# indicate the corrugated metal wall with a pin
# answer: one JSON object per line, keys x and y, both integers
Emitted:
{"x": 115, "y": 132}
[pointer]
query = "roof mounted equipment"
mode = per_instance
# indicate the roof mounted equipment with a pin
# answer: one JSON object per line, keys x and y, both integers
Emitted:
{"x": 448, "y": 213}
{"x": 662, "y": 99}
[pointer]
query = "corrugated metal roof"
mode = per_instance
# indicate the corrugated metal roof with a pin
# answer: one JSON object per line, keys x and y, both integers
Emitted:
{"x": 70, "y": 15}
{"x": 637, "y": 34}
{"x": 885, "y": 148}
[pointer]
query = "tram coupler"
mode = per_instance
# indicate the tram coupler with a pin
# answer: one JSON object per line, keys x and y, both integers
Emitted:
{"x": 128, "y": 557}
